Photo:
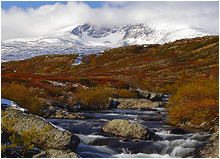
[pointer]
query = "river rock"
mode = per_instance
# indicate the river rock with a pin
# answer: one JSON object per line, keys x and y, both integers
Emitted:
{"x": 62, "y": 139}
{"x": 107, "y": 141}
{"x": 135, "y": 103}
{"x": 64, "y": 114}
{"x": 50, "y": 110}
{"x": 113, "y": 103}
{"x": 56, "y": 154}
{"x": 211, "y": 148}
{"x": 124, "y": 128}
{"x": 150, "y": 95}
{"x": 177, "y": 131}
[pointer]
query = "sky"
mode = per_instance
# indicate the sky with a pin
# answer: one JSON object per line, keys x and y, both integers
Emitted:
{"x": 36, "y": 4}
{"x": 34, "y": 18}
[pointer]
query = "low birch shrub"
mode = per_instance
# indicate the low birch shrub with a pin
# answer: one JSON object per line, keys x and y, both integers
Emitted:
{"x": 195, "y": 102}
{"x": 23, "y": 97}
{"x": 95, "y": 97}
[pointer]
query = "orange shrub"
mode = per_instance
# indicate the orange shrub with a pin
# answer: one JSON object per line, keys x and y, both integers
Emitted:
{"x": 205, "y": 110}
{"x": 23, "y": 97}
{"x": 124, "y": 93}
{"x": 195, "y": 102}
{"x": 149, "y": 84}
{"x": 95, "y": 97}
{"x": 169, "y": 87}
{"x": 195, "y": 112}
{"x": 196, "y": 90}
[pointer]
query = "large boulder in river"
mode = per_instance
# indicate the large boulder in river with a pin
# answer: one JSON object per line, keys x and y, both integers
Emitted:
{"x": 124, "y": 128}
{"x": 54, "y": 138}
{"x": 56, "y": 154}
{"x": 135, "y": 103}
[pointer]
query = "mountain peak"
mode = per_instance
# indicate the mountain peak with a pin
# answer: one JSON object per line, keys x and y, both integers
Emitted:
{"x": 91, "y": 30}
{"x": 133, "y": 34}
{"x": 87, "y": 36}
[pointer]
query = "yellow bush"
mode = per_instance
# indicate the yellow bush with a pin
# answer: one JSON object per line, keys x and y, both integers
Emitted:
{"x": 195, "y": 102}
{"x": 95, "y": 97}
{"x": 124, "y": 93}
{"x": 197, "y": 90}
{"x": 23, "y": 97}
{"x": 169, "y": 88}
{"x": 149, "y": 84}
{"x": 205, "y": 110}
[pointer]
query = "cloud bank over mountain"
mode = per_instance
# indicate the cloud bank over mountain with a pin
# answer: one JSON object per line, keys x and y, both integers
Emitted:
{"x": 17, "y": 22}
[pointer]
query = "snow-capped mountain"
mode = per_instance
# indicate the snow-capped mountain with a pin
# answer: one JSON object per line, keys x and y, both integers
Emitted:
{"x": 93, "y": 39}
{"x": 90, "y": 35}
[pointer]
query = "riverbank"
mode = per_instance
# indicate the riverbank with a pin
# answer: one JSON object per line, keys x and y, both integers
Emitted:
{"x": 211, "y": 148}
{"x": 24, "y": 134}
{"x": 96, "y": 143}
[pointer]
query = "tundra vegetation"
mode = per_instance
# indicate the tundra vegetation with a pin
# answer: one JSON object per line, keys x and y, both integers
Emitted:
{"x": 196, "y": 101}
{"x": 187, "y": 69}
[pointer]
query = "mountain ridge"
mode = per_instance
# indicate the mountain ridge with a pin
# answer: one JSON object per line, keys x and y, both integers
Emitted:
{"x": 138, "y": 33}
{"x": 87, "y": 39}
{"x": 160, "y": 66}
{"x": 130, "y": 32}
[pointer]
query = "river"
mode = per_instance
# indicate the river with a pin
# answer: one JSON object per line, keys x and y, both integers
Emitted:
{"x": 97, "y": 144}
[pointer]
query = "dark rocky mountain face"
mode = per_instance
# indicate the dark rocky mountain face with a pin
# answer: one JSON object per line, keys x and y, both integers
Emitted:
{"x": 131, "y": 31}
{"x": 136, "y": 31}
{"x": 92, "y": 31}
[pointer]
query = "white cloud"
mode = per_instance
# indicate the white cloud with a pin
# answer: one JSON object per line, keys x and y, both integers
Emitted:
{"x": 17, "y": 22}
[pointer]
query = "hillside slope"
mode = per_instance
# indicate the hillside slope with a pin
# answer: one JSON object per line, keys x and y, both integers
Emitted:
{"x": 161, "y": 64}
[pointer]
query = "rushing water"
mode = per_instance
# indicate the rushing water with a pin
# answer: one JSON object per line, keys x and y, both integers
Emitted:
{"x": 97, "y": 144}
